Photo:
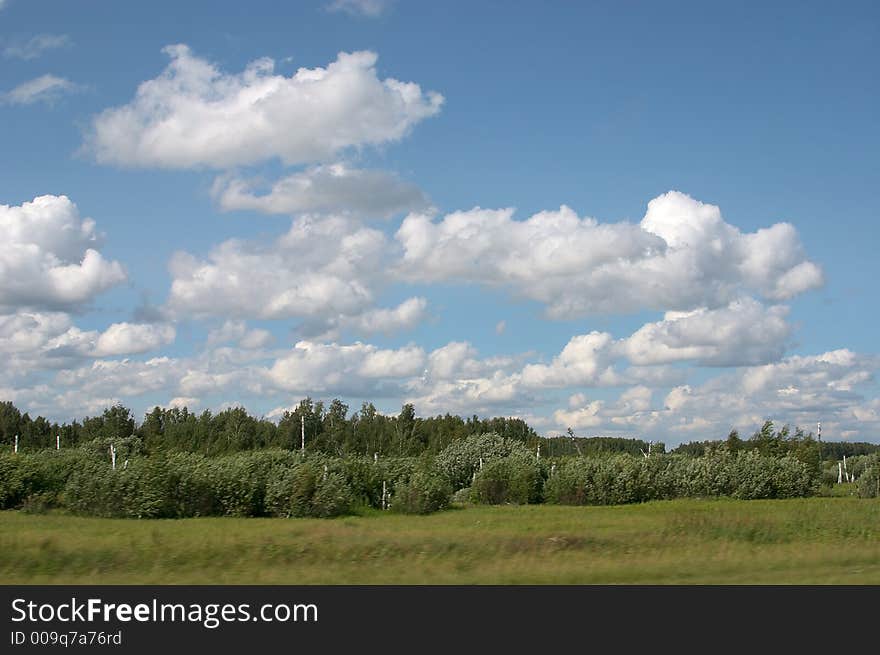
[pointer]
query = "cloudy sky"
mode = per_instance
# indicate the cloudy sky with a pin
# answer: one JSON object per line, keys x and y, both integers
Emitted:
{"x": 628, "y": 218}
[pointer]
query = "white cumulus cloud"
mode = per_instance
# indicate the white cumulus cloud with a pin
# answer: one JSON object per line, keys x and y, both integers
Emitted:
{"x": 133, "y": 338}
{"x": 34, "y": 341}
{"x": 682, "y": 256}
{"x": 322, "y": 267}
{"x": 742, "y": 333}
{"x": 195, "y": 115}
{"x": 320, "y": 367}
{"x": 326, "y": 271}
{"x": 50, "y": 257}
{"x": 328, "y": 189}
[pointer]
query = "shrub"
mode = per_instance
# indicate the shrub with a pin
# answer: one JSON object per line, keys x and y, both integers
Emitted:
{"x": 12, "y": 480}
{"x": 49, "y": 471}
{"x": 567, "y": 483}
{"x": 770, "y": 477}
{"x": 625, "y": 479}
{"x": 239, "y": 481}
{"x": 333, "y": 497}
{"x": 709, "y": 476}
{"x": 868, "y": 484}
{"x": 426, "y": 491}
{"x": 513, "y": 479}
{"x": 135, "y": 491}
{"x": 305, "y": 490}
{"x": 605, "y": 480}
{"x": 460, "y": 459}
{"x": 189, "y": 487}
{"x": 365, "y": 476}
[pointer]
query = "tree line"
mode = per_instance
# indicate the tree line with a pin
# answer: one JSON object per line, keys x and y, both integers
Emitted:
{"x": 768, "y": 440}
{"x": 330, "y": 428}
{"x": 322, "y": 428}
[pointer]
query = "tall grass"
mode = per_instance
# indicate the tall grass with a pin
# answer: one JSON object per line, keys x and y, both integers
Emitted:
{"x": 805, "y": 541}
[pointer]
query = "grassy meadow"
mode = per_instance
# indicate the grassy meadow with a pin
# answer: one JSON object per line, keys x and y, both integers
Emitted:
{"x": 796, "y": 541}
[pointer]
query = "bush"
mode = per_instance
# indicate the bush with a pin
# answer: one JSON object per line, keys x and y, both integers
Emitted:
{"x": 365, "y": 476}
{"x": 239, "y": 481}
{"x": 49, "y": 471}
{"x": 12, "y": 480}
{"x": 426, "y": 491}
{"x": 567, "y": 483}
{"x": 513, "y": 479}
{"x": 771, "y": 477}
{"x": 135, "y": 491}
{"x": 626, "y": 479}
{"x": 607, "y": 480}
{"x": 189, "y": 486}
{"x": 460, "y": 460}
{"x": 333, "y": 497}
{"x": 305, "y": 490}
{"x": 868, "y": 484}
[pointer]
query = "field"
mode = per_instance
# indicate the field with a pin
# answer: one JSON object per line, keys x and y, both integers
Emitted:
{"x": 806, "y": 541}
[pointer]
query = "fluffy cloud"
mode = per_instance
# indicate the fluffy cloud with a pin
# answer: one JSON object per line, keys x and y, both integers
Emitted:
{"x": 117, "y": 379}
{"x": 484, "y": 395}
{"x": 456, "y": 379}
{"x": 46, "y": 88}
{"x": 452, "y": 360}
{"x": 799, "y": 390}
{"x": 584, "y": 361}
{"x": 35, "y": 46}
{"x": 256, "y": 338}
{"x": 324, "y": 270}
{"x": 329, "y": 189}
{"x": 33, "y": 341}
{"x": 180, "y": 402}
{"x": 682, "y": 256}
{"x": 195, "y": 115}
{"x": 582, "y": 417}
{"x": 322, "y": 267}
{"x": 320, "y": 367}
{"x": 50, "y": 258}
{"x": 405, "y": 316}
{"x": 742, "y": 333}
{"x": 238, "y": 332}
{"x": 37, "y": 341}
{"x": 132, "y": 338}
{"x": 745, "y": 332}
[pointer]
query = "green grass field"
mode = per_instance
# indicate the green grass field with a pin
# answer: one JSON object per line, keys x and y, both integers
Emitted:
{"x": 811, "y": 541}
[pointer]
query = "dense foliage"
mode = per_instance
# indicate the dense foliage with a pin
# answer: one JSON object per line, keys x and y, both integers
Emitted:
{"x": 177, "y": 464}
{"x": 515, "y": 479}
{"x": 460, "y": 461}
{"x": 424, "y": 492}
{"x": 622, "y": 479}
{"x": 328, "y": 429}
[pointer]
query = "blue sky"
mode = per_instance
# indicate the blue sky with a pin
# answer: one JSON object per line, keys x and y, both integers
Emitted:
{"x": 453, "y": 212}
